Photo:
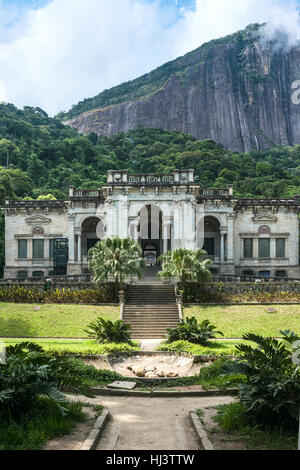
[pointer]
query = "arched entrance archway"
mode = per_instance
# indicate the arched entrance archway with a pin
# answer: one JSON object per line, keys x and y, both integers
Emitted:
{"x": 212, "y": 238}
{"x": 150, "y": 230}
{"x": 89, "y": 235}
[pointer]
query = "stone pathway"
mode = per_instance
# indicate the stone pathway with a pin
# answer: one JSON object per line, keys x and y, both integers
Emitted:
{"x": 140, "y": 423}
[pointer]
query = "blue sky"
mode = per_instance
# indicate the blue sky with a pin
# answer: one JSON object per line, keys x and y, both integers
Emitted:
{"x": 54, "y": 53}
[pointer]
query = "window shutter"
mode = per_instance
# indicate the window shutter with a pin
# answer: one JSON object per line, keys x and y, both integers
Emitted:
{"x": 280, "y": 247}
{"x": 22, "y": 249}
{"x": 264, "y": 248}
{"x": 38, "y": 249}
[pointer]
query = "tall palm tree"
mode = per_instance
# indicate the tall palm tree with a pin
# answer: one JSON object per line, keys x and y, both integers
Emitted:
{"x": 116, "y": 258}
{"x": 185, "y": 265}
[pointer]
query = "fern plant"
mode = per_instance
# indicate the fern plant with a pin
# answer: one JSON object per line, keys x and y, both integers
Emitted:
{"x": 193, "y": 331}
{"x": 107, "y": 331}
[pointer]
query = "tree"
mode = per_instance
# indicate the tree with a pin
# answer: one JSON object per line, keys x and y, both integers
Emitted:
{"x": 116, "y": 258}
{"x": 185, "y": 265}
{"x": 46, "y": 197}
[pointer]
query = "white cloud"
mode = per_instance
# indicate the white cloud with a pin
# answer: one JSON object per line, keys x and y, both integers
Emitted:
{"x": 216, "y": 18}
{"x": 71, "y": 49}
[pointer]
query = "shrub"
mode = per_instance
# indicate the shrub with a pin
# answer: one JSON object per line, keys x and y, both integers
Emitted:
{"x": 20, "y": 294}
{"x": 30, "y": 373}
{"x": 271, "y": 392}
{"x": 193, "y": 331}
{"x": 107, "y": 331}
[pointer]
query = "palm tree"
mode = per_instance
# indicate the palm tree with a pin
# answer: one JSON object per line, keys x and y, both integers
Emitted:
{"x": 185, "y": 265}
{"x": 116, "y": 258}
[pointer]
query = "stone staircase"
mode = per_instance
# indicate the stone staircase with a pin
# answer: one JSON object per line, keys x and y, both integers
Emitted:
{"x": 150, "y": 309}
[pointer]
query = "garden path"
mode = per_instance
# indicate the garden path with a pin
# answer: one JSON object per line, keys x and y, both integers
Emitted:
{"x": 139, "y": 423}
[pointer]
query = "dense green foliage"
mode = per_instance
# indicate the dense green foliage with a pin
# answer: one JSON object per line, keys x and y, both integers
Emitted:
{"x": 30, "y": 373}
{"x": 116, "y": 259}
{"x": 107, "y": 331}
{"x": 19, "y": 294}
{"x": 186, "y": 265}
{"x": 152, "y": 82}
{"x": 196, "y": 293}
{"x": 271, "y": 393}
{"x": 191, "y": 330}
{"x": 234, "y": 420}
{"x": 47, "y": 157}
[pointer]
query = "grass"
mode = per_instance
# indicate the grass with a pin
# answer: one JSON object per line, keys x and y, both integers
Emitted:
{"x": 236, "y": 320}
{"x": 73, "y": 346}
{"x": 51, "y": 320}
{"x": 44, "y": 422}
{"x": 233, "y": 420}
{"x": 215, "y": 348}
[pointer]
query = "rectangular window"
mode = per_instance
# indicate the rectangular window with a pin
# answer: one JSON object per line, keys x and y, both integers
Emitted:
{"x": 248, "y": 247}
{"x": 280, "y": 247}
{"x": 22, "y": 249}
{"x": 22, "y": 275}
{"x": 51, "y": 249}
{"x": 209, "y": 246}
{"x": 264, "y": 248}
{"x": 38, "y": 249}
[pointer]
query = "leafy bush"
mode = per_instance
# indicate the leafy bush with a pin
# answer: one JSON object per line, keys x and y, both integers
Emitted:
{"x": 30, "y": 373}
{"x": 20, "y": 294}
{"x": 193, "y": 331}
{"x": 107, "y": 331}
{"x": 271, "y": 392}
{"x": 90, "y": 375}
{"x": 194, "y": 292}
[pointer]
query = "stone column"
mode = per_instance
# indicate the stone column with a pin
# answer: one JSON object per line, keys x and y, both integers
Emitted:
{"x": 172, "y": 236}
{"x": 71, "y": 239}
{"x": 165, "y": 237}
{"x": 111, "y": 219}
{"x": 273, "y": 248}
{"x": 79, "y": 248}
{"x": 222, "y": 247}
{"x": 135, "y": 231}
{"x": 123, "y": 229}
{"x": 177, "y": 224}
{"x": 29, "y": 248}
{"x": 188, "y": 226}
{"x": 255, "y": 248}
{"x": 230, "y": 257}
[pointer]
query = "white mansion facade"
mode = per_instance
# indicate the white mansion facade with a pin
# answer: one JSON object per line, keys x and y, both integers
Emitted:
{"x": 162, "y": 212}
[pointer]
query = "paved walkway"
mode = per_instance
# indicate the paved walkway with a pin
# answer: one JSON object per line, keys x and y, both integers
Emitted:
{"x": 140, "y": 423}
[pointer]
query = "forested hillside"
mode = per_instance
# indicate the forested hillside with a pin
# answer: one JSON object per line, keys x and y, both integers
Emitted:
{"x": 45, "y": 157}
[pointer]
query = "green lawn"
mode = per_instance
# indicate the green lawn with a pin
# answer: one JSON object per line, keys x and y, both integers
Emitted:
{"x": 50, "y": 320}
{"x": 214, "y": 348}
{"x": 73, "y": 346}
{"x": 235, "y": 320}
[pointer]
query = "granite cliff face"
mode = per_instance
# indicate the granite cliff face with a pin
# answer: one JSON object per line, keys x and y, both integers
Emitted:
{"x": 236, "y": 91}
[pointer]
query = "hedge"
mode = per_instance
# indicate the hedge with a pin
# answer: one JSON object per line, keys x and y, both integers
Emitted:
{"x": 18, "y": 294}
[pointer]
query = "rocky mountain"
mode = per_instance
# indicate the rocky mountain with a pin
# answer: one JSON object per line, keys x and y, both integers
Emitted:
{"x": 239, "y": 91}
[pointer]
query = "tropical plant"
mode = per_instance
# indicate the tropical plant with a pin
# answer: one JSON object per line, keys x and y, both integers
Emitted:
{"x": 185, "y": 265}
{"x": 116, "y": 258}
{"x": 30, "y": 373}
{"x": 107, "y": 331}
{"x": 271, "y": 392}
{"x": 193, "y": 331}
